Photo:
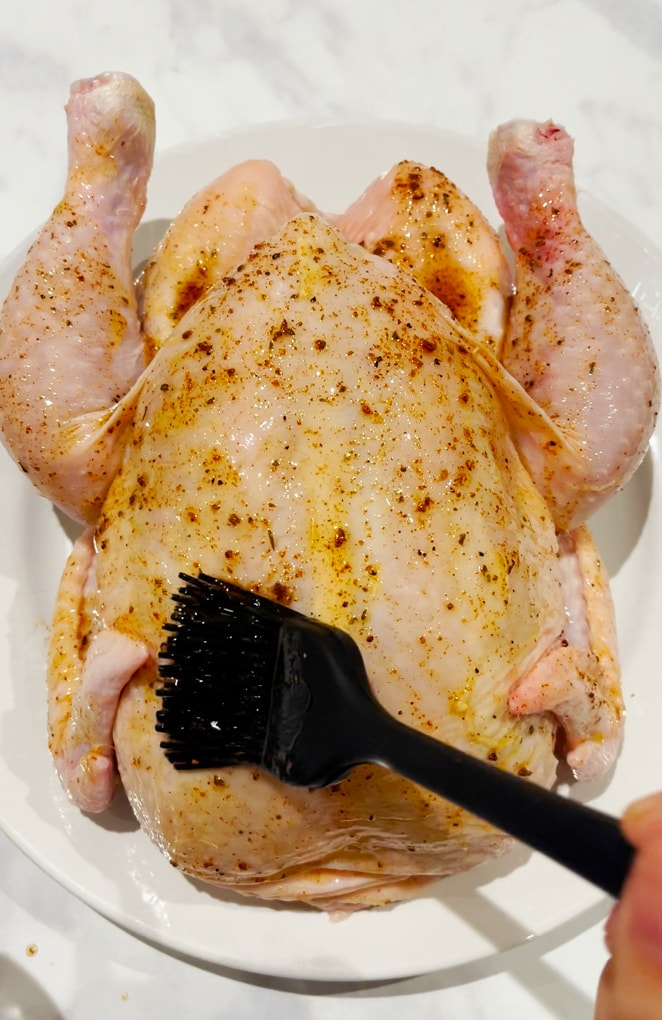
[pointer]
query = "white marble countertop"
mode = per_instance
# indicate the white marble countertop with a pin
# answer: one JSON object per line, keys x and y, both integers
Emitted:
{"x": 593, "y": 65}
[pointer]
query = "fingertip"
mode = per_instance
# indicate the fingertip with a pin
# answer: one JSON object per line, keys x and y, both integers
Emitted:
{"x": 611, "y": 928}
{"x": 636, "y": 928}
{"x": 643, "y": 818}
{"x": 605, "y": 992}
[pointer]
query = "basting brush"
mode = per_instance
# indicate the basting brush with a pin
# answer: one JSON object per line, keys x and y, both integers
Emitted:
{"x": 249, "y": 681}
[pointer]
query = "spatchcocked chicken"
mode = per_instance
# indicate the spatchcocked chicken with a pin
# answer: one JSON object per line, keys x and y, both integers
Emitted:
{"x": 376, "y": 416}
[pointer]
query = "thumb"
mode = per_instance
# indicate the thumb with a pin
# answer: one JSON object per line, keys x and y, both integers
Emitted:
{"x": 631, "y": 985}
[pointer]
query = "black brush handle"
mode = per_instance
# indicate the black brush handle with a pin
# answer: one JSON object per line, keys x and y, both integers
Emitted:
{"x": 344, "y": 725}
{"x": 585, "y": 840}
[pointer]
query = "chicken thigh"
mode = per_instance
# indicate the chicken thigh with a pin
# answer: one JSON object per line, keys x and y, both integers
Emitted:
{"x": 416, "y": 217}
{"x": 321, "y": 428}
{"x": 213, "y": 233}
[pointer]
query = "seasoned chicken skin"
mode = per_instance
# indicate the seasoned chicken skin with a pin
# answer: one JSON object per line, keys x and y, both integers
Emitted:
{"x": 574, "y": 342}
{"x": 212, "y": 234}
{"x": 321, "y": 428}
{"x": 416, "y": 217}
{"x": 75, "y": 294}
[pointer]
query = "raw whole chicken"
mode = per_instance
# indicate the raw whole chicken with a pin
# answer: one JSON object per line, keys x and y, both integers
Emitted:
{"x": 360, "y": 414}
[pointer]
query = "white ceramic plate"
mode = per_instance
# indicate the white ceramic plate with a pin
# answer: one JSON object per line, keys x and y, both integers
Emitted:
{"x": 109, "y": 863}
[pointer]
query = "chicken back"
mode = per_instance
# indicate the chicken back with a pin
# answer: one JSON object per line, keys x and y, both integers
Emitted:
{"x": 320, "y": 427}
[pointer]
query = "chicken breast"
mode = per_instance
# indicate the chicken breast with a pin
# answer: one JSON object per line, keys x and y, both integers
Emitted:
{"x": 322, "y": 429}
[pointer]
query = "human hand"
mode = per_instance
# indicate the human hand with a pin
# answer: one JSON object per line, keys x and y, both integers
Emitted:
{"x": 631, "y": 984}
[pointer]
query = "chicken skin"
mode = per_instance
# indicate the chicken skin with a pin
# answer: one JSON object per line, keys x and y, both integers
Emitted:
{"x": 76, "y": 286}
{"x": 419, "y": 219}
{"x": 321, "y": 427}
{"x": 212, "y": 234}
{"x": 572, "y": 343}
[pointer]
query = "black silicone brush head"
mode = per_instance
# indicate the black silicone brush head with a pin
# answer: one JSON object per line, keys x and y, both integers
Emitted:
{"x": 217, "y": 665}
{"x": 249, "y": 681}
